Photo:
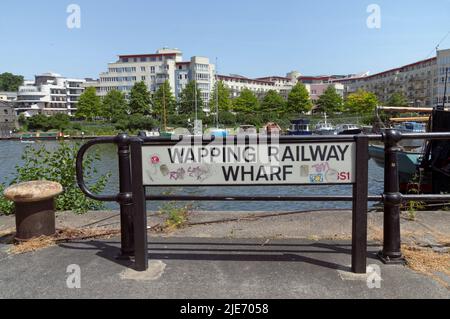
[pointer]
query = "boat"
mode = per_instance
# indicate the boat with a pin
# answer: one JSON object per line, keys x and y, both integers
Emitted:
{"x": 411, "y": 127}
{"x": 39, "y": 136}
{"x": 348, "y": 129}
{"x": 153, "y": 133}
{"x": 408, "y": 163}
{"x": 300, "y": 127}
{"x": 325, "y": 128}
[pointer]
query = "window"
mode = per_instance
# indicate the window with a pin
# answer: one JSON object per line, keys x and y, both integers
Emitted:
{"x": 142, "y": 68}
{"x": 152, "y": 69}
{"x": 143, "y": 78}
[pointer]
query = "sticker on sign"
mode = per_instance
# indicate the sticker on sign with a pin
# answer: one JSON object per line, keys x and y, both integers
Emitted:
{"x": 249, "y": 164}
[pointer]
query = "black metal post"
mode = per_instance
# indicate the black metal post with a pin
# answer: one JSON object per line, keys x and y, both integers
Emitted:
{"x": 391, "y": 253}
{"x": 139, "y": 208}
{"x": 359, "y": 212}
{"x": 125, "y": 197}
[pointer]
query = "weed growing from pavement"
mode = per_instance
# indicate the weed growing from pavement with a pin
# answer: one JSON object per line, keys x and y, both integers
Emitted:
{"x": 176, "y": 215}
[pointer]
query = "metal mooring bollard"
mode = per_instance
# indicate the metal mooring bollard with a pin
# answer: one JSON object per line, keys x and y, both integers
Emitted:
{"x": 34, "y": 207}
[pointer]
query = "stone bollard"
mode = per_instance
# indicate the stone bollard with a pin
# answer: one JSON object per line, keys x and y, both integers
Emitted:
{"x": 35, "y": 208}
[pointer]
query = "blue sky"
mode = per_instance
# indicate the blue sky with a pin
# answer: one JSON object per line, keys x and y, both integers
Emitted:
{"x": 249, "y": 37}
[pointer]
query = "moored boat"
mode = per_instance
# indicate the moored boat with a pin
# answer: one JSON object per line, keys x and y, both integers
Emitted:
{"x": 348, "y": 129}
{"x": 325, "y": 128}
{"x": 300, "y": 127}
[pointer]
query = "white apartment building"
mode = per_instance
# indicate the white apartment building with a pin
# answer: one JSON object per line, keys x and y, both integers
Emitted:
{"x": 49, "y": 94}
{"x": 283, "y": 85}
{"x": 8, "y": 96}
{"x": 422, "y": 82}
{"x": 442, "y": 64}
{"x": 237, "y": 83}
{"x": 154, "y": 70}
{"x": 200, "y": 70}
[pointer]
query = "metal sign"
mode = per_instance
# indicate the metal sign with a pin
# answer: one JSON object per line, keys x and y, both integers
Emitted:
{"x": 249, "y": 164}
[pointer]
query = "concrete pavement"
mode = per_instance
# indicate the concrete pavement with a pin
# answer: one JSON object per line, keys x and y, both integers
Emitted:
{"x": 217, "y": 261}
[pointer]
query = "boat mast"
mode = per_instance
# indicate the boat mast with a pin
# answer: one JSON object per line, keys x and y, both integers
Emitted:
{"x": 217, "y": 97}
{"x": 195, "y": 97}
{"x": 164, "y": 107}
{"x": 445, "y": 89}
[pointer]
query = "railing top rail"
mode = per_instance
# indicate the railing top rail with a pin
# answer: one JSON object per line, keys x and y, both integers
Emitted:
{"x": 290, "y": 139}
{"x": 190, "y": 139}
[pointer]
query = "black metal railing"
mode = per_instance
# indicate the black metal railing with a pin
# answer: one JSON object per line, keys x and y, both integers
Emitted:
{"x": 132, "y": 197}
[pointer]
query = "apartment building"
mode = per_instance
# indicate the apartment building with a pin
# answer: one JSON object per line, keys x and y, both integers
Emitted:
{"x": 442, "y": 64}
{"x": 154, "y": 69}
{"x": 8, "y": 96}
{"x": 237, "y": 83}
{"x": 421, "y": 82}
{"x": 200, "y": 70}
{"x": 48, "y": 94}
{"x": 315, "y": 85}
{"x": 283, "y": 85}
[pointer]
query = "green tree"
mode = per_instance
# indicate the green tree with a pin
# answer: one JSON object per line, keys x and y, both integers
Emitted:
{"x": 186, "y": 102}
{"x": 10, "y": 82}
{"x": 361, "y": 102}
{"x": 114, "y": 105}
{"x": 90, "y": 105}
{"x": 164, "y": 103}
{"x": 247, "y": 102}
{"x": 398, "y": 99}
{"x": 140, "y": 100}
{"x": 38, "y": 122}
{"x": 273, "y": 102}
{"x": 330, "y": 101}
{"x": 298, "y": 100}
{"x": 223, "y": 94}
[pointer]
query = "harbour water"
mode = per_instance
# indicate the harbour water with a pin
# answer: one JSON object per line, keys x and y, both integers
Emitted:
{"x": 11, "y": 152}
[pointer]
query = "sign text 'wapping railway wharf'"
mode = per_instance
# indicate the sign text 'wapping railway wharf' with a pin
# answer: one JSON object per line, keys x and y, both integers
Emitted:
{"x": 249, "y": 164}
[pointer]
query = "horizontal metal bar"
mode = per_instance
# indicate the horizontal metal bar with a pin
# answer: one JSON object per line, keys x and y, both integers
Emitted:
{"x": 285, "y": 139}
{"x": 318, "y": 198}
{"x": 176, "y": 140}
{"x": 427, "y": 197}
{"x": 427, "y": 136}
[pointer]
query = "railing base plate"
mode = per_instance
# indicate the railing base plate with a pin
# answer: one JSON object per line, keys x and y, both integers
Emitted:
{"x": 391, "y": 261}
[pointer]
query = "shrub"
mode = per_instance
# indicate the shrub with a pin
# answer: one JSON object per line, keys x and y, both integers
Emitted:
{"x": 135, "y": 122}
{"x": 59, "y": 166}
